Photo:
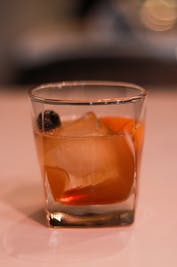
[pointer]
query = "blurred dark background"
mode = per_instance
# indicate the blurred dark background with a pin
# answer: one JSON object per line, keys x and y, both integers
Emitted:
{"x": 47, "y": 41}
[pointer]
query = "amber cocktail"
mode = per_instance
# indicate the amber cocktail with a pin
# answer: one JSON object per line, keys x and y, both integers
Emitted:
{"x": 89, "y": 138}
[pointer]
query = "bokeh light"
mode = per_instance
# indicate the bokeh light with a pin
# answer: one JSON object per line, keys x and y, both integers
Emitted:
{"x": 159, "y": 15}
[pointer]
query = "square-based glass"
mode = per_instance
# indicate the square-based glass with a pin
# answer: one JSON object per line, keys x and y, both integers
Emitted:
{"x": 89, "y": 138}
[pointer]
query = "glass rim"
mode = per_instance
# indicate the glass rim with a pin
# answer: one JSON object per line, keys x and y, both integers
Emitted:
{"x": 141, "y": 93}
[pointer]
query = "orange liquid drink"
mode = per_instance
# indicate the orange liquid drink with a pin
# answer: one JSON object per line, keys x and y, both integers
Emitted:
{"x": 91, "y": 161}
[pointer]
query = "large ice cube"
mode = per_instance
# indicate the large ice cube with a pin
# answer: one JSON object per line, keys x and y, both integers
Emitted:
{"x": 87, "y": 125}
{"x": 89, "y": 154}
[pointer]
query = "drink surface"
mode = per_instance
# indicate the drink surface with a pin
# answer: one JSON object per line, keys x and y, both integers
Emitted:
{"x": 90, "y": 161}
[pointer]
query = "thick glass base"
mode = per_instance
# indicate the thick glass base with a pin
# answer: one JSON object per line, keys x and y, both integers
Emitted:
{"x": 63, "y": 219}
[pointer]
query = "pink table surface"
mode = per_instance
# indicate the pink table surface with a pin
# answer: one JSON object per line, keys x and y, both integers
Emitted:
{"x": 26, "y": 241}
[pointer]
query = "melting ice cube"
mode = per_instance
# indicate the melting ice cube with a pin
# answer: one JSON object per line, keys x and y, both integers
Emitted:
{"x": 89, "y": 154}
{"x": 87, "y": 125}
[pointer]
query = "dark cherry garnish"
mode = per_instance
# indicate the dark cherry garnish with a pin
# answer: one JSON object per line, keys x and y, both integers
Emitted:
{"x": 48, "y": 120}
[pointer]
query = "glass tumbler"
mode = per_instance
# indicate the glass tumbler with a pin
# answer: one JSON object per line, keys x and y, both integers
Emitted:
{"x": 89, "y": 138}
